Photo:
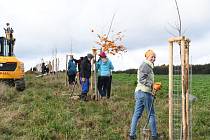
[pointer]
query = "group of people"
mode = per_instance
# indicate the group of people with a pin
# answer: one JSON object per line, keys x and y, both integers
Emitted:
{"x": 46, "y": 69}
{"x": 144, "y": 92}
{"x": 82, "y": 66}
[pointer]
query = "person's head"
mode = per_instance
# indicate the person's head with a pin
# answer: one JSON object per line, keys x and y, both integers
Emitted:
{"x": 81, "y": 58}
{"x": 102, "y": 55}
{"x": 7, "y": 24}
{"x": 150, "y": 55}
{"x": 71, "y": 57}
{"x": 89, "y": 56}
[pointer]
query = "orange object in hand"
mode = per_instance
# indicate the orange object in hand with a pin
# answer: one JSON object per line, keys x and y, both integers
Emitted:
{"x": 157, "y": 86}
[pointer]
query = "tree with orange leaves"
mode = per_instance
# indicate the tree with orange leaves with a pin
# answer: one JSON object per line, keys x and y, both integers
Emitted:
{"x": 112, "y": 46}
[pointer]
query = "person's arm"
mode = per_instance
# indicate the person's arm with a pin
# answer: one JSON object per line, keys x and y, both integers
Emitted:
{"x": 76, "y": 61}
{"x": 111, "y": 66}
{"x": 98, "y": 63}
{"x": 144, "y": 72}
{"x": 69, "y": 65}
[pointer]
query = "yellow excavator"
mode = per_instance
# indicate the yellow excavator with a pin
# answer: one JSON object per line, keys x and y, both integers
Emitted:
{"x": 11, "y": 69}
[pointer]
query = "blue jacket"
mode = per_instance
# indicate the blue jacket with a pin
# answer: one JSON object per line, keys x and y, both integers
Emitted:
{"x": 104, "y": 68}
{"x": 72, "y": 67}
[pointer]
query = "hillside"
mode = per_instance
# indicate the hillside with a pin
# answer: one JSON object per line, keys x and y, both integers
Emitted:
{"x": 45, "y": 111}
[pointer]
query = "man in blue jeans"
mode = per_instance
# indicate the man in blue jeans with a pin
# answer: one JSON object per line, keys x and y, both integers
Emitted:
{"x": 144, "y": 96}
{"x": 85, "y": 73}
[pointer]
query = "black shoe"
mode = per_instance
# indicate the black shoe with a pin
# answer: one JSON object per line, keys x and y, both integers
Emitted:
{"x": 132, "y": 137}
{"x": 83, "y": 97}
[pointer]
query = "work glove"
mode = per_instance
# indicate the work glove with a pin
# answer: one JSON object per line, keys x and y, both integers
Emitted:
{"x": 83, "y": 79}
{"x": 156, "y": 87}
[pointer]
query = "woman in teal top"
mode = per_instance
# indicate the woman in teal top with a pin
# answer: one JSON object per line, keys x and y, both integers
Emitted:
{"x": 104, "y": 67}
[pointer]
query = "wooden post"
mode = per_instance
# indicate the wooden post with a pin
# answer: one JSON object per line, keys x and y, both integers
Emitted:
{"x": 187, "y": 88}
{"x": 184, "y": 46}
{"x": 94, "y": 50}
{"x": 56, "y": 66}
{"x": 66, "y": 70}
{"x": 91, "y": 80}
{"x": 170, "y": 90}
{"x": 183, "y": 63}
{"x": 92, "y": 75}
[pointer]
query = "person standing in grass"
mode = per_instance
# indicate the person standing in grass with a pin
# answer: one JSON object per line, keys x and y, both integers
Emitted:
{"x": 72, "y": 70}
{"x": 104, "y": 67}
{"x": 144, "y": 96}
{"x": 50, "y": 67}
{"x": 85, "y": 73}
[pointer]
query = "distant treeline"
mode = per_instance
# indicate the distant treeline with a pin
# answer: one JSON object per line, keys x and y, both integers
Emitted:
{"x": 163, "y": 69}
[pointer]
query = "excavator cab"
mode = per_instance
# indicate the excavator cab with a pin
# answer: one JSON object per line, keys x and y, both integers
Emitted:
{"x": 11, "y": 68}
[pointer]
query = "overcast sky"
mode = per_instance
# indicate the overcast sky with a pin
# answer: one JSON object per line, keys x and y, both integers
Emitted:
{"x": 40, "y": 26}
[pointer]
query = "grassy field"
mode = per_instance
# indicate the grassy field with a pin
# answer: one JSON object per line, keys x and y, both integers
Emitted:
{"x": 44, "y": 111}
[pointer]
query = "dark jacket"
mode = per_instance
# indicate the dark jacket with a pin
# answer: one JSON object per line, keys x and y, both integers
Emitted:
{"x": 85, "y": 68}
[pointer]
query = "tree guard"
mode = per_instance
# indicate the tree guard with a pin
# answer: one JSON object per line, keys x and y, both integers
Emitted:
{"x": 183, "y": 42}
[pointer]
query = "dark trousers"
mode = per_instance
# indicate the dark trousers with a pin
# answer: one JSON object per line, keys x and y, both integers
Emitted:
{"x": 109, "y": 87}
{"x": 71, "y": 79}
{"x": 103, "y": 82}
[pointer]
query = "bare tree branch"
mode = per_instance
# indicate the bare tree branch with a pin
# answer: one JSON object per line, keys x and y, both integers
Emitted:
{"x": 185, "y": 30}
{"x": 110, "y": 25}
{"x": 180, "y": 21}
{"x": 170, "y": 32}
{"x": 175, "y": 27}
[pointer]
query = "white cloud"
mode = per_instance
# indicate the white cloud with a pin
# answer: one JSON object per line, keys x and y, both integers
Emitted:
{"x": 41, "y": 26}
